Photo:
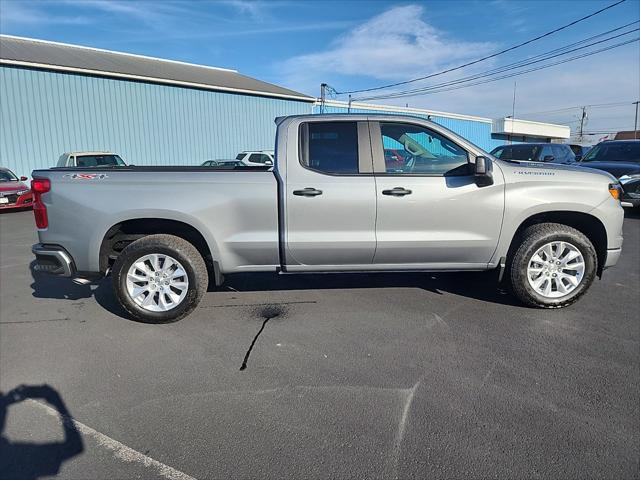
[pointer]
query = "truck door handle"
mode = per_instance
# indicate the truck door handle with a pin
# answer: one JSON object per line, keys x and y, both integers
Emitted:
{"x": 308, "y": 192}
{"x": 397, "y": 192}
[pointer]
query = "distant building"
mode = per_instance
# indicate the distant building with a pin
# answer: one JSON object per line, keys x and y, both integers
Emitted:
{"x": 628, "y": 135}
{"x": 57, "y": 98}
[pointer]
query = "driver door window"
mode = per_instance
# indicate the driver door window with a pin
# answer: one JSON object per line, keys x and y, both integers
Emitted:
{"x": 412, "y": 149}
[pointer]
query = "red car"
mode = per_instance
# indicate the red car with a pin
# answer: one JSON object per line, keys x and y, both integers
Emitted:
{"x": 14, "y": 193}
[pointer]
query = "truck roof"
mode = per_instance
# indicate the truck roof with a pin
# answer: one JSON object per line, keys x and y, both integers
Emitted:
{"x": 89, "y": 153}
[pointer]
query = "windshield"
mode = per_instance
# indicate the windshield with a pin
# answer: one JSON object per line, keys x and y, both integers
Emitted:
{"x": 517, "y": 152}
{"x": 99, "y": 160}
{"x": 614, "y": 152}
{"x": 7, "y": 176}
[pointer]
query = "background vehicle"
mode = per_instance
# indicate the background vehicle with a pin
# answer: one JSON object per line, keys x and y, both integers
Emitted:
{"x": 257, "y": 158}
{"x": 222, "y": 163}
{"x": 331, "y": 204}
{"x": 90, "y": 159}
{"x": 618, "y": 157}
{"x": 630, "y": 190}
{"x": 13, "y": 193}
{"x": 579, "y": 150}
{"x": 536, "y": 152}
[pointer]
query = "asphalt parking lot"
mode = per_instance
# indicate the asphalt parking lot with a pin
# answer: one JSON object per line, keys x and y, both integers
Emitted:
{"x": 377, "y": 376}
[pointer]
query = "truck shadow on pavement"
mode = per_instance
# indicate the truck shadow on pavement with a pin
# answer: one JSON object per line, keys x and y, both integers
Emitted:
{"x": 30, "y": 461}
{"x": 481, "y": 286}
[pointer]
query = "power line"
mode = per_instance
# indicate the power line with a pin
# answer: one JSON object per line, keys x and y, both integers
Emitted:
{"x": 512, "y": 66}
{"x": 522, "y": 44}
{"x": 595, "y": 105}
{"x": 445, "y": 88}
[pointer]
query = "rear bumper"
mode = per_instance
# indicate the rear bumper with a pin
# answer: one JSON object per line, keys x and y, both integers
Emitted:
{"x": 53, "y": 260}
{"x": 612, "y": 257}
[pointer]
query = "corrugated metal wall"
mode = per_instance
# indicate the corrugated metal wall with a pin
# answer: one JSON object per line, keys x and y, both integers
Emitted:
{"x": 475, "y": 131}
{"x": 43, "y": 114}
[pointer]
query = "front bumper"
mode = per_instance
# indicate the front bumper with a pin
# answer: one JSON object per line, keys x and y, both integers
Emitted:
{"x": 22, "y": 201}
{"x": 53, "y": 260}
{"x": 613, "y": 255}
{"x": 630, "y": 202}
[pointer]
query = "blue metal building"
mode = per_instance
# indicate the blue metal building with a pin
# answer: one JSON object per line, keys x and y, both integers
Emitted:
{"x": 57, "y": 98}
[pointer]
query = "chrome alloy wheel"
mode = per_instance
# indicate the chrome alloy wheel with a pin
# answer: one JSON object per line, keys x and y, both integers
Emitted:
{"x": 556, "y": 269}
{"x": 157, "y": 282}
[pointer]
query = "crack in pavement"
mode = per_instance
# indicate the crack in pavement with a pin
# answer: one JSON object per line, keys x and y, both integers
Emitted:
{"x": 271, "y": 311}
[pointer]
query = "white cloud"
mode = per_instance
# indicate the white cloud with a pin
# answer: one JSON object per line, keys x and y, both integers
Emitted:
{"x": 22, "y": 14}
{"x": 400, "y": 44}
{"x": 397, "y": 44}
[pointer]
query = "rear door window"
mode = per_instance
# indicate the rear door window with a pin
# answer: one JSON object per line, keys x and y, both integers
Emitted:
{"x": 330, "y": 147}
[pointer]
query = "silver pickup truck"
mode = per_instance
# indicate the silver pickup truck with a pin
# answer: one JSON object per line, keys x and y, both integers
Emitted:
{"x": 347, "y": 193}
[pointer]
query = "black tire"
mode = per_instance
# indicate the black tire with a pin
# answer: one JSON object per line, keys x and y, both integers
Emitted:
{"x": 531, "y": 240}
{"x": 179, "y": 249}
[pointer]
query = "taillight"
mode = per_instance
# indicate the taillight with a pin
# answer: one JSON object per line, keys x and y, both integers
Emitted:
{"x": 38, "y": 187}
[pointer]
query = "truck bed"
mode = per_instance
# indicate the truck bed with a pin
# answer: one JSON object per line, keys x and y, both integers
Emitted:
{"x": 235, "y": 210}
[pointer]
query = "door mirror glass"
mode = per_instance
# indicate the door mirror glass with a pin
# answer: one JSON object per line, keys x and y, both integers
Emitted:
{"x": 268, "y": 162}
{"x": 23, "y": 179}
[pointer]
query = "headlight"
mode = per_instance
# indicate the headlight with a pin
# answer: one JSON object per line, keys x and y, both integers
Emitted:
{"x": 22, "y": 192}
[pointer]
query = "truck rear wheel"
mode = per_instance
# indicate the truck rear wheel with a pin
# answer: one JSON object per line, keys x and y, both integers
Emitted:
{"x": 159, "y": 278}
{"x": 553, "y": 266}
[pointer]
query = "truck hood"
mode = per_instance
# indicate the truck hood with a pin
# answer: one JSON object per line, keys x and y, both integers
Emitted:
{"x": 617, "y": 169}
{"x": 553, "y": 172}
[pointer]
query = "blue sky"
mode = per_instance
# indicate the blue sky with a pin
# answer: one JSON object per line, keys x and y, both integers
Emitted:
{"x": 358, "y": 44}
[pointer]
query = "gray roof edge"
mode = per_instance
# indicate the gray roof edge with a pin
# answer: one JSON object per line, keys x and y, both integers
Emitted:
{"x": 275, "y": 91}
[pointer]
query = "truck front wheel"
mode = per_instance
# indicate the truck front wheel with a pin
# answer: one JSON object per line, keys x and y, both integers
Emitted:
{"x": 553, "y": 266}
{"x": 159, "y": 278}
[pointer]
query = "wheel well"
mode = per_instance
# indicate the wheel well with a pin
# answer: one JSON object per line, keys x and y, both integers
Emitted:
{"x": 123, "y": 233}
{"x": 589, "y": 225}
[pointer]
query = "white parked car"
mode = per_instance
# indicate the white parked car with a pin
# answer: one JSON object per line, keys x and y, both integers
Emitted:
{"x": 256, "y": 157}
{"x": 90, "y": 159}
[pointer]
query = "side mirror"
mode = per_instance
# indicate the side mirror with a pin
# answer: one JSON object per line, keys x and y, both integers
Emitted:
{"x": 23, "y": 178}
{"x": 483, "y": 171}
{"x": 548, "y": 158}
{"x": 268, "y": 162}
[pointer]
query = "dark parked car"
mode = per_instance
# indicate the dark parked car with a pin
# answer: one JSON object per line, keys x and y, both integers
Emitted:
{"x": 535, "y": 152}
{"x": 618, "y": 157}
{"x": 630, "y": 190}
{"x": 222, "y": 164}
{"x": 579, "y": 150}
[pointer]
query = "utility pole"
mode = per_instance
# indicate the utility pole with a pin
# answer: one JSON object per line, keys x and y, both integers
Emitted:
{"x": 323, "y": 88}
{"x": 513, "y": 112}
{"x": 582, "y": 118}
{"x": 635, "y": 123}
{"x": 349, "y": 107}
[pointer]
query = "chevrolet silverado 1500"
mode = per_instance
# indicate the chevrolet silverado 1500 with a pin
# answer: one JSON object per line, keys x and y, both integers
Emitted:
{"x": 333, "y": 202}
